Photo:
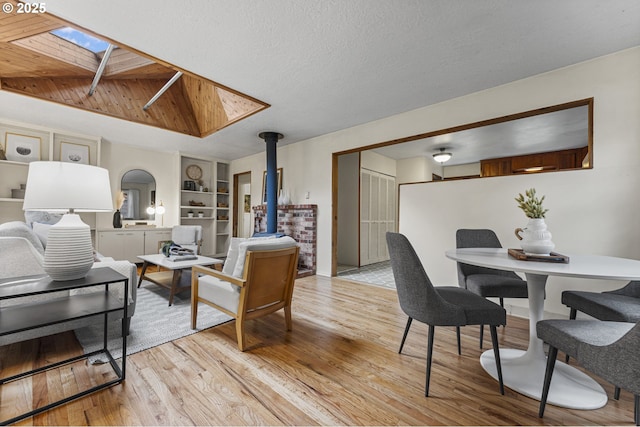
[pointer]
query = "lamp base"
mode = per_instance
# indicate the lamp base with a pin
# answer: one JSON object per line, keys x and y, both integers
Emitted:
{"x": 69, "y": 252}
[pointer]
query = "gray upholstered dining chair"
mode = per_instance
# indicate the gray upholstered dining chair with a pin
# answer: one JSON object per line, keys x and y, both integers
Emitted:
{"x": 483, "y": 281}
{"x": 608, "y": 349}
{"x": 438, "y": 306}
{"x": 620, "y": 305}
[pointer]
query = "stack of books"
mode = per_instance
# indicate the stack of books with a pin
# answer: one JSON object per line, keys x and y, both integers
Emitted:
{"x": 185, "y": 257}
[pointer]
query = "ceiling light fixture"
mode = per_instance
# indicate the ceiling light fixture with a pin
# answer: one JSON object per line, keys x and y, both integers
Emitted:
{"x": 442, "y": 156}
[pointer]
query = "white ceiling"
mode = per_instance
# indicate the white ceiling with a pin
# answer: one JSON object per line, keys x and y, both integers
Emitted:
{"x": 558, "y": 130}
{"x": 326, "y": 65}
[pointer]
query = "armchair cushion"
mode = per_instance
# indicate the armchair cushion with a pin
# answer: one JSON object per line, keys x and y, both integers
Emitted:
{"x": 232, "y": 255}
{"x": 259, "y": 244}
{"x": 184, "y": 235}
{"x": 225, "y": 294}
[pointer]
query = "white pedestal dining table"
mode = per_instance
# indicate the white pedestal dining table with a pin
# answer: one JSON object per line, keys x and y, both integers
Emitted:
{"x": 523, "y": 371}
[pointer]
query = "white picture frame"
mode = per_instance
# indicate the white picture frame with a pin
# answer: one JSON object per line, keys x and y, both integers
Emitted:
{"x": 72, "y": 152}
{"x": 22, "y": 148}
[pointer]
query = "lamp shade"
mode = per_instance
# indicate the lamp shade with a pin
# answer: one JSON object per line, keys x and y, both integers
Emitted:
{"x": 62, "y": 186}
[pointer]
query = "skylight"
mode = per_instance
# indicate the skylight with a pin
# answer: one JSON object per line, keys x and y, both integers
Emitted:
{"x": 81, "y": 39}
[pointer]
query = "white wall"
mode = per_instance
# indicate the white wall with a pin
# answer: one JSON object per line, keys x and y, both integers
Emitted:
{"x": 417, "y": 169}
{"x": 119, "y": 158}
{"x": 469, "y": 169}
{"x": 608, "y": 189}
{"x": 590, "y": 211}
{"x": 378, "y": 163}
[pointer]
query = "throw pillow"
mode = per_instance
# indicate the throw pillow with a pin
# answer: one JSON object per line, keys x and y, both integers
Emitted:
{"x": 232, "y": 255}
{"x": 259, "y": 244}
{"x": 42, "y": 231}
{"x": 41, "y": 217}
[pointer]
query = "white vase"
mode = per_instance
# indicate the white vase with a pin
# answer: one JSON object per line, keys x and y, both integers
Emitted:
{"x": 535, "y": 238}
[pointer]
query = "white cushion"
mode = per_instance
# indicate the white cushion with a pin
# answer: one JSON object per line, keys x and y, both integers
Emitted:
{"x": 259, "y": 245}
{"x": 224, "y": 294}
{"x": 184, "y": 235}
{"x": 232, "y": 255}
{"x": 41, "y": 217}
{"x": 42, "y": 231}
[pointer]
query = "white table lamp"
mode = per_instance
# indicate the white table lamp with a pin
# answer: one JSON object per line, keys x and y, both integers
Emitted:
{"x": 68, "y": 187}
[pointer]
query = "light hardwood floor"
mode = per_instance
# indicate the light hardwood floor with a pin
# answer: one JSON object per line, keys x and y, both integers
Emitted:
{"x": 339, "y": 366}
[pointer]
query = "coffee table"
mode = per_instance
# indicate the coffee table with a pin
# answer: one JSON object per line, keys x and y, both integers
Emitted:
{"x": 171, "y": 279}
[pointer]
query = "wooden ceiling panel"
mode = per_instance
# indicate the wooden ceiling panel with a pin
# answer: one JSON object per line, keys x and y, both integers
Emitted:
{"x": 203, "y": 100}
{"x": 125, "y": 64}
{"x": 118, "y": 98}
{"x": 14, "y": 26}
{"x": 51, "y": 46}
{"x": 17, "y": 61}
{"x": 236, "y": 106}
{"x": 35, "y": 63}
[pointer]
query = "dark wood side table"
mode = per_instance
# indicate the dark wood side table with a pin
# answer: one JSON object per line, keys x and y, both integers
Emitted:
{"x": 25, "y": 316}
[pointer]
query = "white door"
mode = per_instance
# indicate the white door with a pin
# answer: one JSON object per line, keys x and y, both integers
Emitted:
{"x": 377, "y": 215}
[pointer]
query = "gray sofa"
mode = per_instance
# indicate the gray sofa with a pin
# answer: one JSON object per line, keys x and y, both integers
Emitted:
{"x": 22, "y": 254}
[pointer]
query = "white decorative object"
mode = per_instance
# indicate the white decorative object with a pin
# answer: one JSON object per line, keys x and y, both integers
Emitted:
{"x": 68, "y": 187}
{"x": 284, "y": 198}
{"x": 535, "y": 238}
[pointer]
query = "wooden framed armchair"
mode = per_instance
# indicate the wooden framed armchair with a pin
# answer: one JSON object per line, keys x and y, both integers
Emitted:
{"x": 260, "y": 283}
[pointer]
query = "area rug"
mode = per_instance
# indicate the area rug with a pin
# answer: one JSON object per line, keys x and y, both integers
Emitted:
{"x": 152, "y": 324}
{"x": 374, "y": 274}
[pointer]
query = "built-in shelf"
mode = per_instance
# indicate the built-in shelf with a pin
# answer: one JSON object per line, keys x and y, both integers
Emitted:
{"x": 196, "y": 217}
{"x": 46, "y": 144}
{"x": 196, "y": 192}
{"x": 196, "y": 208}
{"x": 215, "y": 178}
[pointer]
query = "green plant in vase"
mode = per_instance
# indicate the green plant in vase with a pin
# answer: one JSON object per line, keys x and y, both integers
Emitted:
{"x": 535, "y": 238}
{"x": 531, "y": 205}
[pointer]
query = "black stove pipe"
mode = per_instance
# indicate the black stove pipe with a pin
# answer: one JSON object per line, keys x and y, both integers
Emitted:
{"x": 271, "y": 139}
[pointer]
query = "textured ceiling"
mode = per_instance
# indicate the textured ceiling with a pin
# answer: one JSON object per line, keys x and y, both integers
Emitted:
{"x": 329, "y": 65}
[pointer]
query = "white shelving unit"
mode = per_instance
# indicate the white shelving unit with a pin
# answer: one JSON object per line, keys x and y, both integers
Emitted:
{"x": 209, "y": 203}
{"x": 223, "y": 211}
{"x": 43, "y": 144}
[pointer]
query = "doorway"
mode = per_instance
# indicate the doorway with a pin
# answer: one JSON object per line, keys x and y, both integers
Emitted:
{"x": 242, "y": 226}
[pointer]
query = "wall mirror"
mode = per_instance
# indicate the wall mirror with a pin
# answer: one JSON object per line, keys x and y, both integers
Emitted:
{"x": 553, "y": 138}
{"x": 139, "y": 188}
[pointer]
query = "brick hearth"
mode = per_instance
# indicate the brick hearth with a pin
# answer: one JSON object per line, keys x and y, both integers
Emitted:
{"x": 301, "y": 223}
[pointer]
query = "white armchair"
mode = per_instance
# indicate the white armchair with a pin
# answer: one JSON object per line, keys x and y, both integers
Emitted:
{"x": 257, "y": 279}
{"x": 188, "y": 236}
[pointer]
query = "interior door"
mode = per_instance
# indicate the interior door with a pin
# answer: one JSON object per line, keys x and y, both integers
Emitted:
{"x": 377, "y": 215}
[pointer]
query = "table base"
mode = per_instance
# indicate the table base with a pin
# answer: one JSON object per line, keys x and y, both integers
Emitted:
{"x": 570, "y": 388}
